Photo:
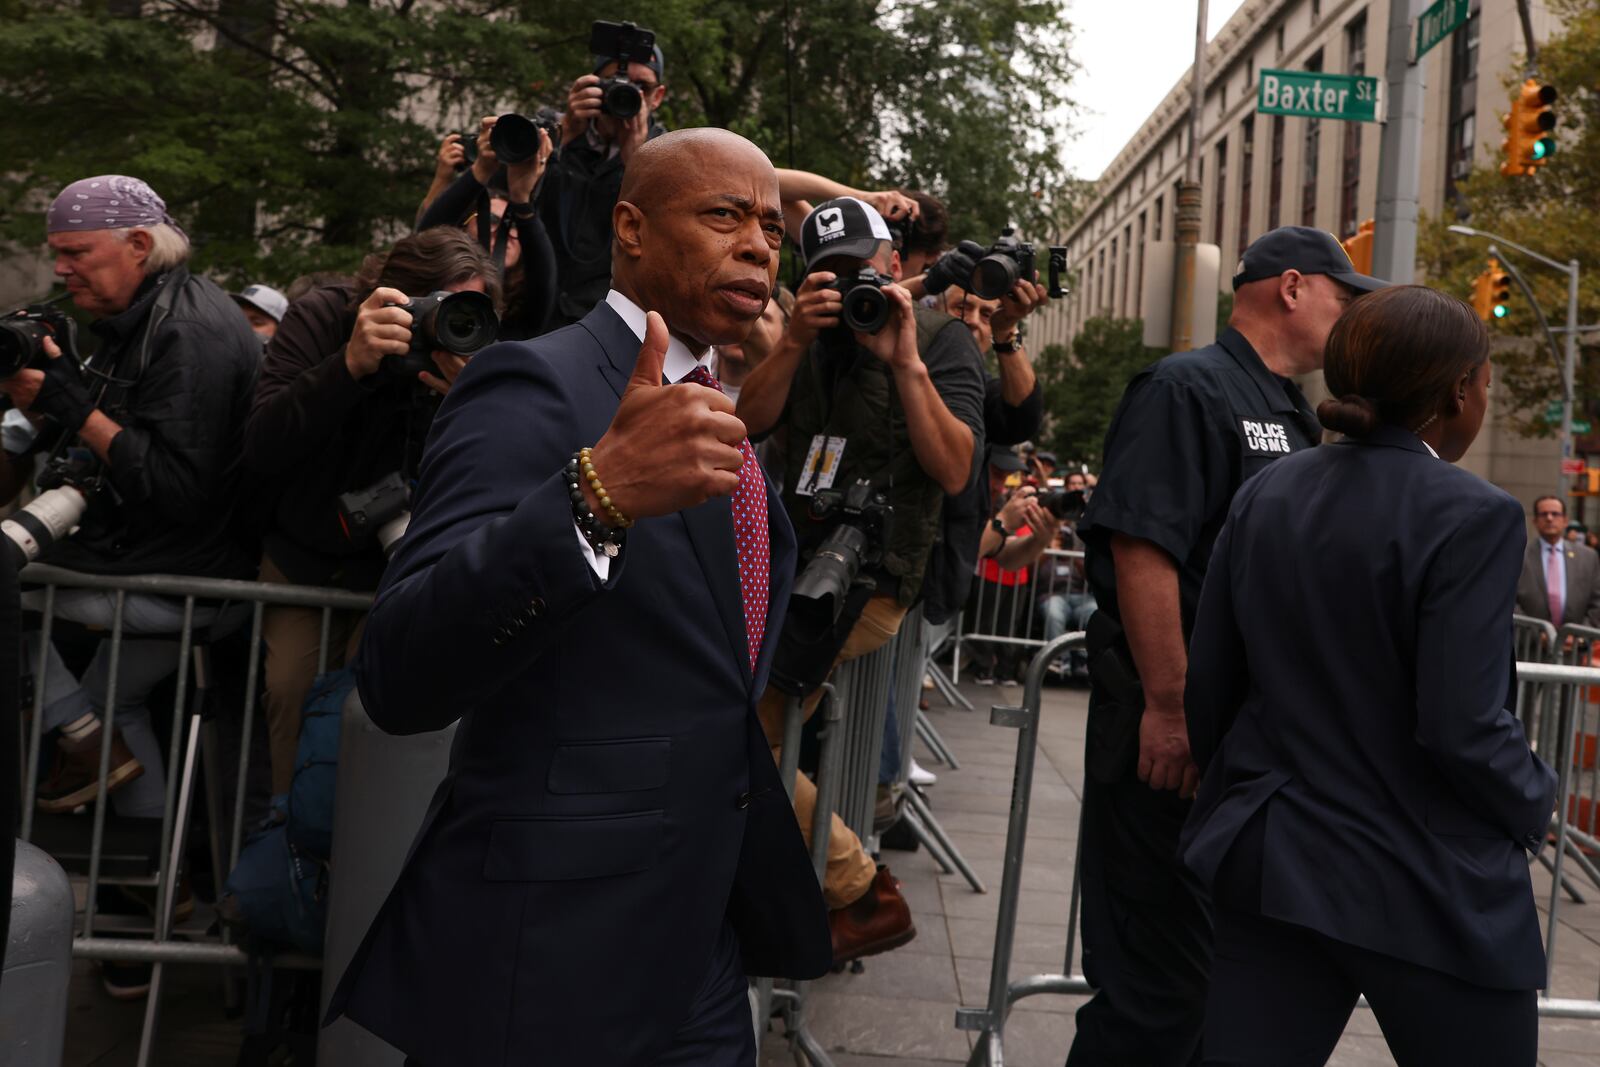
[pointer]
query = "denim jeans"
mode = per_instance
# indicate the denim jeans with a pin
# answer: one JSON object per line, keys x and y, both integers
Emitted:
{"x": 1064, "y": 612}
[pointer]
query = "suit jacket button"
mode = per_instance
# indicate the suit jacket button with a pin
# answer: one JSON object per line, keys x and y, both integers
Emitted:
{"x": 743, "y": 801}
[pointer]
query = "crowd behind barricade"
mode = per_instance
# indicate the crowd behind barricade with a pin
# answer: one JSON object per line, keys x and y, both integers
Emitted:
{"x": 286, "y": 437}
{"x": 277, "y": 436}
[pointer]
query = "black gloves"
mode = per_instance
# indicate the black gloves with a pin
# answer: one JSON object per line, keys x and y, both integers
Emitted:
{"x": 64, "y": 395}
{"x": 955, "y": 267}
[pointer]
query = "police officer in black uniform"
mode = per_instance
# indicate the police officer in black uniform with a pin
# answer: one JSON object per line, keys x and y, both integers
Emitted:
{"x": 1190, "y": 429}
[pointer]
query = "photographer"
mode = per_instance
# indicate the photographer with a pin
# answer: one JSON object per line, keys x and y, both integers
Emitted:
{"x": 146, "y": 434}
{"x": 512, "y": 230}
{"x": 1018, "y": 531}
{"x": 586, "y": 174}
{"x": 887, "y": 413}
{"x": 331, "y": 416}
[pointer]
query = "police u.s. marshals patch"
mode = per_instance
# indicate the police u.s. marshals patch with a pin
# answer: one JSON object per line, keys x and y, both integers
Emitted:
{"x": 1265, "y": 437}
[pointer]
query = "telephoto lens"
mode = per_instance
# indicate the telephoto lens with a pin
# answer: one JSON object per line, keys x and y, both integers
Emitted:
{"x": 49, "y": 517}
{"x": 514, "y": 138}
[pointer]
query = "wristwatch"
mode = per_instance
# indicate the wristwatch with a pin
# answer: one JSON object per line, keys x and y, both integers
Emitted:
{"x": 1005, "y": 348}
{"x": 999, "y": 528}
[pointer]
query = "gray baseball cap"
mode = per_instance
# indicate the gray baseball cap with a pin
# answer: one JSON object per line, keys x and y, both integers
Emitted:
{"x": 265, "y": 299}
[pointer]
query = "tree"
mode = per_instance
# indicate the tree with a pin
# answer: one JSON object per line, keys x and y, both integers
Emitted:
{"x": 1082, "y": 391}
{"x": 1556, "y": 211}
{"x": 291, "y": 135}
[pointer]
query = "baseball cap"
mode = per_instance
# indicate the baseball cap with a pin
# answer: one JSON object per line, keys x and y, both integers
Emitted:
{"x": 265, "y": 299}
{"x": 1305, "y": 249}
{"x": 843, "y": 226}
{"x": 1003, "y": 459}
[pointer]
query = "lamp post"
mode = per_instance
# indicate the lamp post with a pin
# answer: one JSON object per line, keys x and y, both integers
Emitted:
{"x": 1569, "y": 370}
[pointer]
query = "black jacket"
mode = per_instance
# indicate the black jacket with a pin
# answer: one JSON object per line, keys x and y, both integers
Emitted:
{"x": 316, "y": 432}
{"x": 576, "y": 196}
{"x": 174, "y": 468}
{"x": 1351, "y": 676}
{"x": 527, "y": 311}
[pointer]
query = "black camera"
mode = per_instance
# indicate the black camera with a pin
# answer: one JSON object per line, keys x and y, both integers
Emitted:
{"x": 22, "y": 334}
{"x": 866, "y": 308}
{"x": 1067, "y": 505}
{"x": 379, "y": 512}
{"x": 515, "y": 138}
{"x": 1007, "y": 261}
{"x": 469, "y": 149}
{"x": 1058, "y": 267}
{"x": 864, "y": 516}
{"x": 458, "y": 323}
{"x": 625, "y": 43}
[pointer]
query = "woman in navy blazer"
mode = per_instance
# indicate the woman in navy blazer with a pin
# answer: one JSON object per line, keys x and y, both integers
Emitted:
{"x": 1366, "y": 793}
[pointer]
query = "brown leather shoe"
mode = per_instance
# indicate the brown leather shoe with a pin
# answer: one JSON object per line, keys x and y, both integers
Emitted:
{"x": 877, "y": 922}
{"x": 74, "y": 780}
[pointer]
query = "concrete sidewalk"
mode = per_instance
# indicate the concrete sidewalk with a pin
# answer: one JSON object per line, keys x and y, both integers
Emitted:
{"x": 901, "y": 1010}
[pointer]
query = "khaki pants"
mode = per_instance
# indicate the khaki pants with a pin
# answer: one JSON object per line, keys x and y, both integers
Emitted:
{"x": 850, "y": 870}
{"x": 293, "y": 636}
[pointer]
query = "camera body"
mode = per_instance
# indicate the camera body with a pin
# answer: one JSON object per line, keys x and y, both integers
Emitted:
{"x": 1067, "y": 505}
{"x": 515, "y": 138}
{"x": 864, "y": 518}
{"x": 625, "y": 43}
{"x": 469, "y": 149}
{"x": 22, "y": 334}
{"x": 380, "y": 512}
{"x": 67, "y": 483}
{"x": 866, "y": 307}
{"x": 458, "y": 323}
{"x": 1007, "y": 261}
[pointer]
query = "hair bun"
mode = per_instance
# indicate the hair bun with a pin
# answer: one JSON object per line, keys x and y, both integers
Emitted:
{"x": 1351, "y": 415}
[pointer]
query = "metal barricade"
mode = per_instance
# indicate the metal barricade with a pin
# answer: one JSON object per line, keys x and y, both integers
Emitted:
{"x": 1548, "y": 685}
{"x": 193, "y": 743}
{"x": 1004, "y": 609}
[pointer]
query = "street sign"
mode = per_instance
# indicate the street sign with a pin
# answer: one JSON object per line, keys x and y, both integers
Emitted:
{"x": 1581, "y": 426}
{"x": 1313, "y": 94}
{"x": 1571, "y": 467}
{"x": 1552, "y": 411}
{"x": 1436, "y": 23}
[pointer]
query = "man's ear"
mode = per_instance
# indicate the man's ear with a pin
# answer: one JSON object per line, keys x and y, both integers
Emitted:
{"x": 1291, "y": 288}
{"x": 658, "y": 94}
{"x": 627, "y": 223}
{"x": 139, "y": 243}
{"x": 896, "y": 269}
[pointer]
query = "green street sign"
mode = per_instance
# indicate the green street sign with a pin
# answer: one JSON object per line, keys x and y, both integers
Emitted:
{"x": 1580, "y": 426}
{"x": 1552, "y": 411}
{"x": 1436, "y": 23}
{"x": 1313, "y": 94}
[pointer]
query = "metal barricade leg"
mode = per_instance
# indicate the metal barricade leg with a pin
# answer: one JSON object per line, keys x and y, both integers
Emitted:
{"x": 917, "y": 803}
{"x": 936, "y": 744}
{"x": 913, "y": 823}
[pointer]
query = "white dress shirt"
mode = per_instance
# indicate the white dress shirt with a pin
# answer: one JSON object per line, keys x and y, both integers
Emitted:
{"x": 678, "y": 365}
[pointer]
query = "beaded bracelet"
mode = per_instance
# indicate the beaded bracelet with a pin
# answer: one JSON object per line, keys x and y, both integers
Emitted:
{"x": 600, "y": 537}
{"x": 613, "y": 516}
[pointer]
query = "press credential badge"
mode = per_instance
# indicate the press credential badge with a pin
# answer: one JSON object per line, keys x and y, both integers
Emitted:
{"x": 822, "y": 465}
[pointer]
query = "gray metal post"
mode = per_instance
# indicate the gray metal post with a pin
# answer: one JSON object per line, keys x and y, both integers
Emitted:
{"x": 1394, "y": 230}
{"x": 37, "y": 961}
{"x": 1569, "y": 372}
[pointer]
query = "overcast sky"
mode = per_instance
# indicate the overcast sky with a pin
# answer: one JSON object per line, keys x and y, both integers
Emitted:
{"x": 1129, "y": 52}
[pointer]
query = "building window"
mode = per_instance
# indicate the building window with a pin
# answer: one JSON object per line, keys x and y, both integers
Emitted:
{"x": 1138, "y": 292}
{"x": 1221, "y": 185}
{"x": 1161, "y": 214}
{"x": 1275, "y": 178}
{"x": 1278, "y": 55}
{"x": 1114, "y": 293}
{"x": 1249, "y": 73}
{"x": 1127, "y": 268}
{"x": 1308, "y": 161}
{"x": 1100, "y": 282}
{"x": 1247, "y": 151}
{"x": 1355, "y": 39}
{"x": 1316, "y": 11}
{"x": 1462, "y": 130}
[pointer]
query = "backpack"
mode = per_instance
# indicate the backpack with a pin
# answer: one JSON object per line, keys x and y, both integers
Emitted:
{"x": 280, "y": 884}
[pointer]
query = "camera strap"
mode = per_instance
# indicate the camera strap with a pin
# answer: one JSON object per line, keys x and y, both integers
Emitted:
{"x": 493, "y": 243}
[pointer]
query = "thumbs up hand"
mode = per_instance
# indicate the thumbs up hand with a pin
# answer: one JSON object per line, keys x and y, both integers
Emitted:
{"x": 669, "y": 447}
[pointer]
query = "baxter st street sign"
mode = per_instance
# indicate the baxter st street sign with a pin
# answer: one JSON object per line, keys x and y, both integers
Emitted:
{"x": 1313, "y": 94}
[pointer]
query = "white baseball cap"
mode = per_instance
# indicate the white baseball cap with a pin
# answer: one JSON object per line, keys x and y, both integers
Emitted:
{"x": 265, "y": 299}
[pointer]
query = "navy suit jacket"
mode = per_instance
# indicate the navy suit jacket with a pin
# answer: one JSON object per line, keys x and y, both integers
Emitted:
{"x": 611, "y": 800}
{"x": 1351, "y": 669}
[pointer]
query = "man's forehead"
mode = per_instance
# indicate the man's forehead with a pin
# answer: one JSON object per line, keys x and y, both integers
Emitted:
{"x": 85, "y": 239}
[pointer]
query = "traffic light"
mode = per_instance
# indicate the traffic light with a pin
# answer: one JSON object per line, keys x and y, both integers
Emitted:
{"x": 1491, "y": 292}
{"x": 1358, "y": 246}
{"x": 1529, "y": 142}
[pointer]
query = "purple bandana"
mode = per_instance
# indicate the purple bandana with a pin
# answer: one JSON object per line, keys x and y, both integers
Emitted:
{"x": 109, "y": 202}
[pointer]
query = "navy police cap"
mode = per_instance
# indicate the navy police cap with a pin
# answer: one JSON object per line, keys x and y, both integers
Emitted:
{"x": 1301, "y": 248}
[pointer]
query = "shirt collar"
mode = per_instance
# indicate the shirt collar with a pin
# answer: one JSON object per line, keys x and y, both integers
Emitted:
{"x": 680, "y": 362}
{"x": 124, "y": 323}
{"x": 1274, "y": 390}
{"x": 1429, "y": 447}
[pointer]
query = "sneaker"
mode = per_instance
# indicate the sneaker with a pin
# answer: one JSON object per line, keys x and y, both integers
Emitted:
{"x": 920, "y": 776}
{"x": 984, "y": 679}
{"x": 73, "y": 781}
{"x": 125, "y": 981}
{"x": 878, "y": 921}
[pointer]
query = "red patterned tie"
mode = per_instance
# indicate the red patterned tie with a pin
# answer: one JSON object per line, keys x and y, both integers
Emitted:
{"x": 750, "y": 537}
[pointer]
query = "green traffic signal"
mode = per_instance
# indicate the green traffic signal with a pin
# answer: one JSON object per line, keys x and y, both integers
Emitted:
{"x": 1543, "y": 148}
{"x": 1500, "y": 311}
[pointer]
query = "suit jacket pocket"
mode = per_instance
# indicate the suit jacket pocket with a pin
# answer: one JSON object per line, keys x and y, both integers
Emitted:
{"x": 559, "y": 848}
{"x": 624, "y": 765}
{"x": 1455, "y": 820}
